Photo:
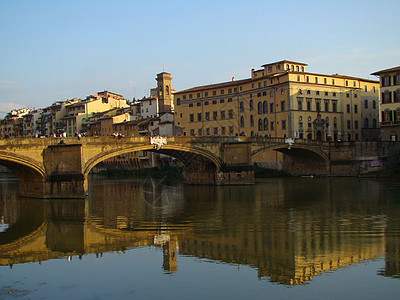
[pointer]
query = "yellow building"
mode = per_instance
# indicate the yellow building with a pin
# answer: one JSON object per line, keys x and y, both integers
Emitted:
{"x": 81, "y": 111}
{"x": 390, "y": 103}
{"x": 280, "y": 100}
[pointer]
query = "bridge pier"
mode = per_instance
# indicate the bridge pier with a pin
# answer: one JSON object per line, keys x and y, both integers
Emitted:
{"x": 63, "y": 166}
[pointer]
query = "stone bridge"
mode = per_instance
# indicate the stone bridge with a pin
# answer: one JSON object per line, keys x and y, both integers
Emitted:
{"x": 59, "y": 167}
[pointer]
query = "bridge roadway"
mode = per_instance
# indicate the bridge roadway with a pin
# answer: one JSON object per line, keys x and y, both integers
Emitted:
{"x": 59, "y": 167}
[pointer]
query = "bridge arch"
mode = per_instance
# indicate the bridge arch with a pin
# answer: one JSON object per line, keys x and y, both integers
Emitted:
{"x": 301, "y": 159}
{"x": 31, "y": 174}
{"x": 183, "y": 153}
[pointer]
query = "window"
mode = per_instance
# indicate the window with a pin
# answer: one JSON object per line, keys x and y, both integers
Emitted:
{"x": 198, "y": 95}
{"x": 365, "y": 103}
{"x": 178, "y": 101}
{"x": 283, "y": 124}
{"x": 230, "y": 91}
{"x": 215, "y": 130}
{"x": 206, "y": 103}
{"x": 241, "y": 122}
{"x": 355, "y": 108}
{"x": 251, "y": 105}
{"x": 299, "y": 104}
{"x": 386, "y": 81}
{"x": 207, "y": 131}
{"x": 222, "y": 92}
{"x": 198, "y": 103}
{"x": 271, "y": 108}
{"x": 300, "y": 122}
{"x": 200, "y": 132}
{"x": 348, "y": 124}
{"x": 235, "y": 89}
{"x": 309, "y": 122}
{"x": 259, "y": 108}
{"x": 356, "y": 124}
{"x": 308, "y": 92}
{"x": 334, "y": 106}
{"x": 230, "y": 113}
{"x": 190, "y": 96}
{"x": 271, "y": 93}
{"x": 229, "y": 99}
{"x": 214, "y": 102}
{"x": 241, "y": 106}
{"x": 283, "y": 106}
{"x": 221, "y": 101}
{"x": 318, "y": 105}
{"x": 282, "y": 91}
{"x": 260, "y": 125}
{"x": 223, "y": 131}
{"x": 309, "y": 105}
{"x": 207, "y": 116}
{"x": 214, "y": 93}
{"x": 205, "y": 94}
{"x": 198, "y": 116}
{"x": 272, "y": 126}
{"x": 184, "y": 97}
{"x": 335, "y": 123}
{"x": 265, "y": 107}
{"x": 374, "y": 104}
{"x": 334, "y": 94}
{"x": 366, "y": 123}
{"x": 326, "y": 105}
{"x": 348, "y": 108}
{"x": 222, "y": 114}
{"x": 251, "y": 121}
{"x": 215, "y": 115}
{"x": 347, "y": 95}
{"x": 190, "y": 104}
{"x": 316, "y": 79}
{"x": 355, "y": 95}
{"x": 298, "y": 77}
{"x": 230, "y": 130}
{"x": 192, "y": 132}
{"x": 191, "y": 118}
{"x": 266, "y": 124}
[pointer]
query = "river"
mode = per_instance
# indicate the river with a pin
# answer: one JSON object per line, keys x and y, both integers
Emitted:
{"x": 303, "y": 238}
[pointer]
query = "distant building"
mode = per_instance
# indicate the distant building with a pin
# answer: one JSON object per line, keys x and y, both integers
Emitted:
{"x": 390, "y": 103}
{"x": 281, "y": 100}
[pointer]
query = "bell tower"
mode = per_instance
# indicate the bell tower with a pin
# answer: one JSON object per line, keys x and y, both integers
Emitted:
{"x": 164, "y": 92}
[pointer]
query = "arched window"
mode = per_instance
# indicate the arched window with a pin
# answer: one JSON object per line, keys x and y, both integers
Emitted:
{"x": 251, "y": 121}
{"x": 241, "y": 122}
{"x": 259, "y": 108}
{"x": 260, "y": 125}
{"x": 366, "y": 123}
{"x": 265, "y": 107}
{"x": 251, "y": 105}
{"x": 301, "y": 122}
{"x": 265, "y": 124}
{"x": 241, "y": 106}
{"x": 178, "y": 101}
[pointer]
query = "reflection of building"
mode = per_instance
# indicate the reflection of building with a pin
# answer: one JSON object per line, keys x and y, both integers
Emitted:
{"x": 390, "y": 103}
{"x": 281, "y": 99}
{"x": 281, "y": 228}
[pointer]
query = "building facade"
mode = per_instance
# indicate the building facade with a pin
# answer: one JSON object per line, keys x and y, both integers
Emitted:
{"x": 280, "y": 100}
{"x": 390, "y": 103}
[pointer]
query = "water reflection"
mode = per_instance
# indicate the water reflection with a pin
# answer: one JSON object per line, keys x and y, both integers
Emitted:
{"x": 289, "y": 230}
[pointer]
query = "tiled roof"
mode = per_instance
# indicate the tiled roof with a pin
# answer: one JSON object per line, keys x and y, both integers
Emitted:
{"x": 386, "y": 71}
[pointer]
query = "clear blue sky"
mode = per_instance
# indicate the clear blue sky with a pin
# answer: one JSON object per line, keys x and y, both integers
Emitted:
{"x": 55, "y": 50}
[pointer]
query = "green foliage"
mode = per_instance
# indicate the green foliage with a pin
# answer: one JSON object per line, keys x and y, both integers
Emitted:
{"x": 269, "y": 173}
{"x": 393, "y": 163}
{"x": 158, "y": 173}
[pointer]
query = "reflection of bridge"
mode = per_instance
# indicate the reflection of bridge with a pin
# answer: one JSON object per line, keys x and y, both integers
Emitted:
{"x": 305, "y": 242}
{"x": 59, "y": 168}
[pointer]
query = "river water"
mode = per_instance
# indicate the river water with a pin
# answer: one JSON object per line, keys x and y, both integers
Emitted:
{"x": 303, "y": 238}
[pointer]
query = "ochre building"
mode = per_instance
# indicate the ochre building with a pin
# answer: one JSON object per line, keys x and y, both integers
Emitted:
{"x": 282, "y": 100}
{"x": 390, "y": 103}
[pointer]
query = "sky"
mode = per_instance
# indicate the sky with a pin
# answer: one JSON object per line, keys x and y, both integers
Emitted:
{"x": 54, "y": 50}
